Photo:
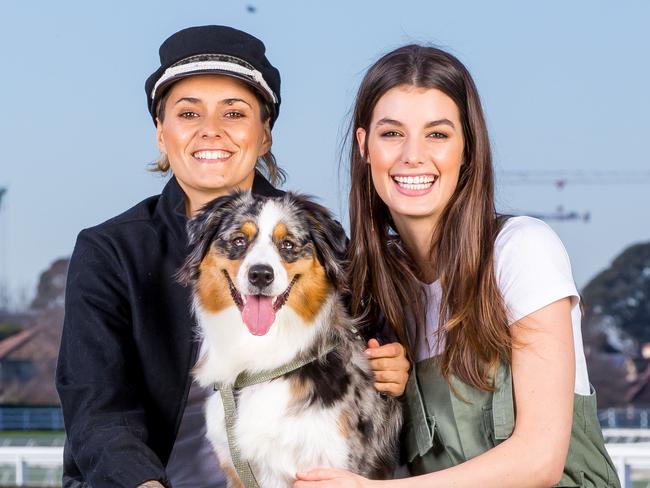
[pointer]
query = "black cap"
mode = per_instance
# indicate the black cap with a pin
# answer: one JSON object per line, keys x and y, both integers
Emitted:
{"x": 214, "y": 49}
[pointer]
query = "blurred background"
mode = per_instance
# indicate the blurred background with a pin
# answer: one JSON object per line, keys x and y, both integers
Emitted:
{"x": 564, "y": 87}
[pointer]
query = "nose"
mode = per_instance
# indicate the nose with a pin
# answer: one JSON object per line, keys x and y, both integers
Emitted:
{"x": 413, "y": 152}
{"x": 211, "y": 127}
{"x": 260, "y": 275}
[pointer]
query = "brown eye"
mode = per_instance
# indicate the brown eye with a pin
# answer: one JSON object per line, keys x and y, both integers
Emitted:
{"x": 286, "y": 245}
{"x": 239, "y": 242}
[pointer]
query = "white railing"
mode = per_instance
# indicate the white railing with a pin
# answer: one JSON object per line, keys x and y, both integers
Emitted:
{"x": 23, "y": 456}
{"x": 627, "y": 458}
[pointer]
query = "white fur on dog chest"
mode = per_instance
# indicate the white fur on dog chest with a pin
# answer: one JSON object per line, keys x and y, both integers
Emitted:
{"x": 276, "y": 442}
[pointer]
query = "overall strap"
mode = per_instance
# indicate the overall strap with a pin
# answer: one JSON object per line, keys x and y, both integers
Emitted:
{"x": 243, "y": 380}
{"x": 422, "y": 433}
{"x": 503, "y": 412}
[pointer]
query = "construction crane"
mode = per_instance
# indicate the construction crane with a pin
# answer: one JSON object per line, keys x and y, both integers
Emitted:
{"x": 560, "y": 179}
{"x": 576, "y": 177}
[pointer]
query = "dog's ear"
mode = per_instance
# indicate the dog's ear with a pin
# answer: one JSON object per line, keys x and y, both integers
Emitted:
{"x": 328, "y": 237}
{"x": 202, "y": 229}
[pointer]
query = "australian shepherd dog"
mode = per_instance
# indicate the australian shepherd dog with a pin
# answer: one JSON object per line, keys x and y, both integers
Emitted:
{"x": 266, "y": 277}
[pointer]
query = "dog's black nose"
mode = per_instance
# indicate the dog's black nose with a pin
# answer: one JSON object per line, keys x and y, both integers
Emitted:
{"x": 260, "y": 275}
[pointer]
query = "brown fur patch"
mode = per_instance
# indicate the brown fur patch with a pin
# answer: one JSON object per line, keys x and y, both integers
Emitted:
{"x": 311, "y": 289}
{"x": 212, "y": 286}
{"x": 280, "y": 232}
{"x": 299, "y": 391}
{"x": 343, "y": 424}
{"x": 250, "y": 229}
{"x": 232, "y": 475}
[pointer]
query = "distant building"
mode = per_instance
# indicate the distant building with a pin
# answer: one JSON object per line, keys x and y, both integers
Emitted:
{"x": 639, "y": 392}
{"x": 27, "y": 365}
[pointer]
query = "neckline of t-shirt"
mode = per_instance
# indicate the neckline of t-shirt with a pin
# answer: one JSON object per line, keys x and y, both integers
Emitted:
{"x": 432, "y": 288}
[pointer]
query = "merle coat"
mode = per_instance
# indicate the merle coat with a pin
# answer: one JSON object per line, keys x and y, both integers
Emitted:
{"x": 128, "y": 344}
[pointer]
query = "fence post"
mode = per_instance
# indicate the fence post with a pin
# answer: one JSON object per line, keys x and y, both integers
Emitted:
{"x": 611, "y": 417}
{"x": 623, "y": 470}
{"x": 20, "y": 471}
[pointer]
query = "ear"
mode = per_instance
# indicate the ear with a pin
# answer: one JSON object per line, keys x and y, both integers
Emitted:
{"x": 202, "y": 229}
{"x": 267, "y": 140}
{"x": 159, "y": 136}
{"x": 361, "y": 140}
{"x": 328, "y": 237}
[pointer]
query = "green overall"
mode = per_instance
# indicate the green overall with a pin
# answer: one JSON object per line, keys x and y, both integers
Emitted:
{"x": 441, "y": 430}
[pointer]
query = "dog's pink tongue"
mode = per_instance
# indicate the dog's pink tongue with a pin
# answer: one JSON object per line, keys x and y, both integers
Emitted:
{"x": 258, "y": 314}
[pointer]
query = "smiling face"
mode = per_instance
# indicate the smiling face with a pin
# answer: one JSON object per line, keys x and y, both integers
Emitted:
{"x": 259, "y": 255}
{"x": 212, "y": 134}
{"x": 415, "y": 151}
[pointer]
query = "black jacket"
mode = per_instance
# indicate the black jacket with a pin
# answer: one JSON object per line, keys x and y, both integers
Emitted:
{"x": 128, "y": 344}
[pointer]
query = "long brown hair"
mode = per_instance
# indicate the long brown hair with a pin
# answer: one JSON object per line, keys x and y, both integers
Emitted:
{"x": 384, "y": 279}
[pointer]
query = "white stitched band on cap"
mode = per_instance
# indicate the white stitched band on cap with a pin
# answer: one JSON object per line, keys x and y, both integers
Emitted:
{"x": 173, "y": 71}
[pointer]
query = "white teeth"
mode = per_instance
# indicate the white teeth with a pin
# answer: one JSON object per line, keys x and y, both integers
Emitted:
{"x": 420, "y": 182}
{"x": 212, "y": 154}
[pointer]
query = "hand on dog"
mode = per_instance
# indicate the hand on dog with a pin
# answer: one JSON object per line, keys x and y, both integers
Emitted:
{"x": 331, "y": 477}
{"x": 390, "y": 366}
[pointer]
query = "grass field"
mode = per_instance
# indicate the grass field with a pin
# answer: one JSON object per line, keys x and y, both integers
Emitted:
{"x": 31, "y": 438}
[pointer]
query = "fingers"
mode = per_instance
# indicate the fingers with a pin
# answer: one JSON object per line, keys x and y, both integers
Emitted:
{"x": 392, "y": 389}
{"x": 390, "y": 367}
{"x": 392, "y": 383}
{"x": 392, "y": 350}
{"x": 373, "y": 343}
{"x": 322, "y": 477}
{"x": 320, "y": 474}
{"x": 384, "y": 376}
{"x": 390, "y": 364}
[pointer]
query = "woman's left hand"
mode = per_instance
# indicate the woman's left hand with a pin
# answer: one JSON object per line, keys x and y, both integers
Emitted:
{"x": 325, "y": 477}
{"x": 390, "y": 367}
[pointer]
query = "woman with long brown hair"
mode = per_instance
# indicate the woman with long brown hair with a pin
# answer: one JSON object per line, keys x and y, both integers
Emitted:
{"x": 499, "y": 394}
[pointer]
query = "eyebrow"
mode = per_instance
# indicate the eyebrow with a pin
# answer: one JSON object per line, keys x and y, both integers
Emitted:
{"x": 225, "y": 101}
{"x": 433, "y": 123}
{"x": 187, "y": 99}
{"x": 230, "y": 101}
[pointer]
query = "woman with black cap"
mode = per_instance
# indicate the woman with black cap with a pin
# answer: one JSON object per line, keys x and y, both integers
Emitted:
{"x": 132, "y": 415}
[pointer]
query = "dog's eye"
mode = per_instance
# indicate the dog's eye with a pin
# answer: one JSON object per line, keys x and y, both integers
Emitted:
{"x": 286, "y": 245}
{"x": 238, "y": 242}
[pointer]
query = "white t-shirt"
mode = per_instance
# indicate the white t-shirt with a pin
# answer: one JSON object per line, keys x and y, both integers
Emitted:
{"x": 532, "y": 270}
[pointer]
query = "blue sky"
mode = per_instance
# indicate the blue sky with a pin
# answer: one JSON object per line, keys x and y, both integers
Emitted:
{"x": 564, "y": 87}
